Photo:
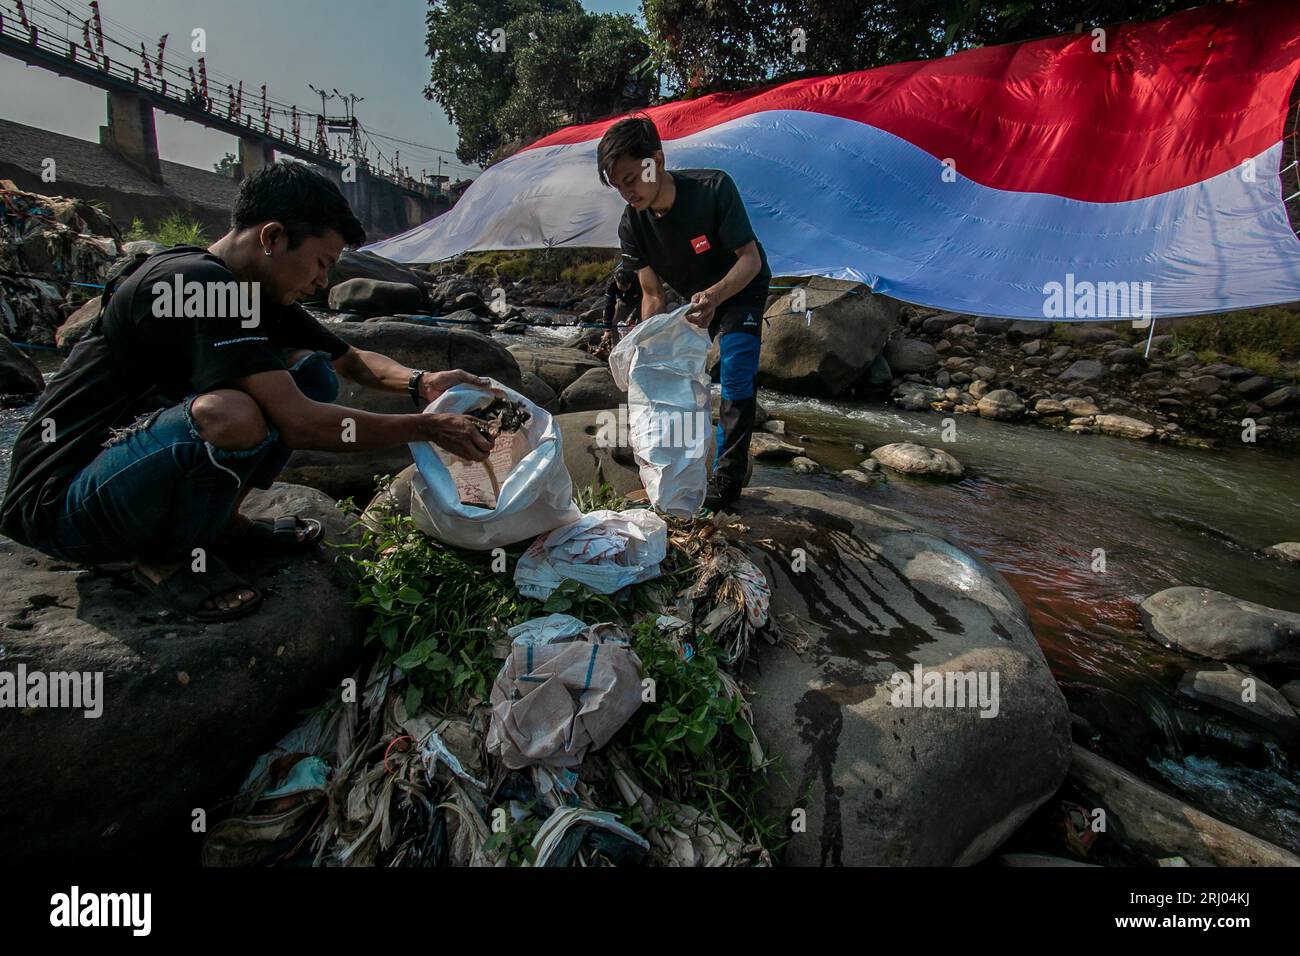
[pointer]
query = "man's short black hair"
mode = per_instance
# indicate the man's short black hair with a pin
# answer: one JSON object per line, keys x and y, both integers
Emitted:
{"x": 635, "y": 136}
{"x": 302, "y": 199}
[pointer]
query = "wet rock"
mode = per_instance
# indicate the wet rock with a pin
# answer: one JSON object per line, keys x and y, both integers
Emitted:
{"x": 374, "y": 297}
{"x": 805, "y": 466}
{"x": 1049, "y": 406}
{"x": 538, "y": 392}
{"x": 942, "y": 379}
{"x": 849, "y": 327}
{"x": 18, "y": 374}
{"x": 910, "y": 355}
{"x": 987, "y": 325}
{"x": 1221, "y": 627}
{"x": 977, "y": 389}
{"x": 985, "y": 372}
{"x": 594, "y": 389}
{"x": 854, "y": 475}
{"x": 773, "y": 427}
{"x": 558, "y": 367}
{"x": 1248, "y": 697}
{"x": 78, "y": 787}
{"x": 881, "y": 595}
{"x": 1286, "y": 397}
{"x": 961, "y": 331}
{"x": 1025, "y": 329}
{"x": 870, "y": 466}
{"x": 769, "y": 448}
{"x": 910, "y": 458}
{"x": 1254, "y": 387}
{"x": 1090, "y": 336}
{"x": 1122, "y": 426}
{"x": 75, "y": 326}
{"x": 1084, "y": 370}
{"x": 1285, "y": 551}
{"x": 1001, "y": 404}
{"x": 936, "y": 324}
{"x": 1149, "y": 821}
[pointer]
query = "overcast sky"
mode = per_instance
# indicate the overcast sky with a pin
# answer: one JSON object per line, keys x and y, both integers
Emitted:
{"x": 373, "y": 48}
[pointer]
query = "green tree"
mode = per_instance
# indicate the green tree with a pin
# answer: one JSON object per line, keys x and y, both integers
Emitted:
{"x": 703, "y": 47}
{"x": 560, "y": 65}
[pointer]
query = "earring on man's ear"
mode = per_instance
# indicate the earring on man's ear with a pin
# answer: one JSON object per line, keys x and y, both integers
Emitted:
{"x": 266, "y": 252}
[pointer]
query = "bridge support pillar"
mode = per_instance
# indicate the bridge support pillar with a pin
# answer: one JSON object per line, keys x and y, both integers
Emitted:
{"x": 130, "y": 133}
{"x": 253, "y": 155}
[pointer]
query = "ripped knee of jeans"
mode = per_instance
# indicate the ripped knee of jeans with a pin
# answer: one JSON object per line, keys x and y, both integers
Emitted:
{"x": 245, "y": 457}
{"x": 118, "y": 435}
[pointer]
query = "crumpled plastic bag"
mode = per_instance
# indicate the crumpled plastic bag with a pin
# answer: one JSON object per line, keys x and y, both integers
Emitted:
{"x": 551, "y": 703}
{"x": 661, "y": 365}
{"x": 536, "y": 491}
{"x": 604, "y": 550}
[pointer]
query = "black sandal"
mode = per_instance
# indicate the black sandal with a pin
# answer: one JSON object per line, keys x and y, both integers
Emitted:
{"x": 267, "y": 537}
{"x": 186, "y": 590}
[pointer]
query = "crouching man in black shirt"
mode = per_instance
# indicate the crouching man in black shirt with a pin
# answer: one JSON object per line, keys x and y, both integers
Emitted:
{"x": 689, "y": 228}
{"x": 193, "y": 386}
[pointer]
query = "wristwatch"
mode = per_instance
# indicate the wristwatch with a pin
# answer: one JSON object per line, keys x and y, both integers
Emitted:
{"x": 413, "y": 386}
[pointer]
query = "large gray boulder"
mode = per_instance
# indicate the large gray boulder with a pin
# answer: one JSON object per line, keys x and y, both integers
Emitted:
{"x": 596, "y": 449}
{"x": 593, "y": 390}
{"x": 1221, "y": 627}
{"x": 416, "y": 346}
{"x": 557, "y": 366}
{"x": 833, "y": 350}
{"x": 370, "y": 265}
{"x": 876, "y": 594}
{"x": 18, "y": 374}
{"x": 185, "y": 706}
{"x": 375, "y": 297}
{"x": 906, "y": 355}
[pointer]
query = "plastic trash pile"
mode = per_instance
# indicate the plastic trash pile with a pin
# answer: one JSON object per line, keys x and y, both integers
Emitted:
{"x": 53, "y": 237}
{"x": 604, "y": 550}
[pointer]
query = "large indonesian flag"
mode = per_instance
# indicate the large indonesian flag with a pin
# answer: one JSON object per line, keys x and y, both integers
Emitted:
{"x": 986, "y": 182}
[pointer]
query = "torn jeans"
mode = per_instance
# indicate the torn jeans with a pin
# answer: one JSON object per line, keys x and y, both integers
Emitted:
{"x": 157, "y": 490}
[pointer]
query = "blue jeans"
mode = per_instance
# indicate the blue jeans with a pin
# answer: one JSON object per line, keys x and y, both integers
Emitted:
{"x": 738, "y": 354}
{"x": 158, "y": 490}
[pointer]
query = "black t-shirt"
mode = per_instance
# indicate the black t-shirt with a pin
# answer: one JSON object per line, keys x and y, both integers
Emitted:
{"x": 133, "y": 361}
{"x": 693, "y": 245}
{"x": 613, "y": 293}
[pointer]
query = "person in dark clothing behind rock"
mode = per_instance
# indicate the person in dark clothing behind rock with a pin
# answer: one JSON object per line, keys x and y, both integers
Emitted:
{"x": 622, "y": 303}
{"x": 200, "y": 376}
{"x": 689, "y": 228}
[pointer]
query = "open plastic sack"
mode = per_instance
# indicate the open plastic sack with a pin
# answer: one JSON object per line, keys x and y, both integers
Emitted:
{"x": 604, "y": 550}
{"x": 453, "y": 499}
{"x": 661, "y": 364}
{"x": 553, "y": 702}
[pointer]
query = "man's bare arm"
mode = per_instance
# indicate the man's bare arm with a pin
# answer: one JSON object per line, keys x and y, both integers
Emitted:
{"x": 373, "y": 370}
{"x": 305, "y": 424}
{"x": 652, "y": 292}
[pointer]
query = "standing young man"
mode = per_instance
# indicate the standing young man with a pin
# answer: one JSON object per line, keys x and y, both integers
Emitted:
{"x": 690, "y": 229}
{"x": 200, "y": 376}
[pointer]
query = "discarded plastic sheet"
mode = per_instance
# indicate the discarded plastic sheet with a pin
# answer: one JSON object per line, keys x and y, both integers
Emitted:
{"x": 604, "y": 550}
{"x": 544, "y": 630}
{"x": 566, "y": 830}
{"x": 551, "y": 703}
{"x": 535, "y": 491}
{"x": 661, "y": 365}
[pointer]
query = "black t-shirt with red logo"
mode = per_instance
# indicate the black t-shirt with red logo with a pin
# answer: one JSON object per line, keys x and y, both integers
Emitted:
{"x": 693, "y": 245}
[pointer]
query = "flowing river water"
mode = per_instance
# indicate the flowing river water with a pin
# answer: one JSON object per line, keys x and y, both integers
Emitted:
{"x": 1036, "y": 504}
